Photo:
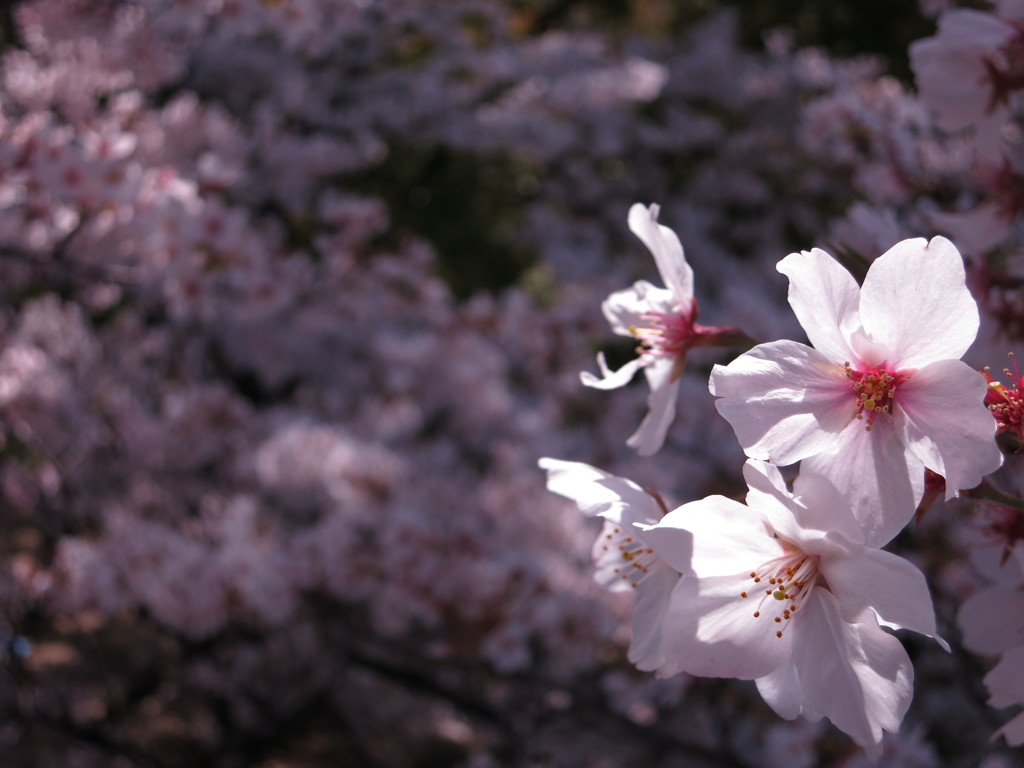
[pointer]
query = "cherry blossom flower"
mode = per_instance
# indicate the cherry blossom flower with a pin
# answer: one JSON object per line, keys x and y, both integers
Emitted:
{"x": 882, "y": 394}
{"x": 622, "y": 558}
{"x": 784, "y": 590}
{"x": 664, "y": 321}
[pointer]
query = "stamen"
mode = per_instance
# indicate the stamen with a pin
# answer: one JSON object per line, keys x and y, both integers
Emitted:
{"x": 793, "y": 576}
{"x": 638, "y": 559}
{"x": 874, "y": 390}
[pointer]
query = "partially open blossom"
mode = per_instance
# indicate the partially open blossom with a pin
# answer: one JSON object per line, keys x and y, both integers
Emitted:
{"x": 1007, "y": 402}
{"x": 969, "y": 71}
{"x": 1005, "y": 683}
{"x": 882, "y": 394}
{"x": 664, "y": 321}
{"x": 622, "y": 557}
{"x": 784, "y": 590}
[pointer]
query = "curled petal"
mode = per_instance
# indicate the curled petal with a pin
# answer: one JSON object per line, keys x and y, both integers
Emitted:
{"x": 785, "y": 400}
{"x": 915, "y": 301}
{"x": 943, "y": 421}
{"x": 824, "y": 297}
{"x": 781, "y": 691}
{"x": 611, "y": 379}
{"x": 664, "y": 245}
{"x": 661, "y": 407}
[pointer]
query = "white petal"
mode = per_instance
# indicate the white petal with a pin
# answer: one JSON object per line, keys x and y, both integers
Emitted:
{"x": 664, "y": 245}
{"x": 781, "y": 690}
{"x": 813, "y": 509}
{"x": 714, "y": 536}
{"x": 661, "y": 407}
{"x": 711, "y": 631}
{"x": 992, "y": 621}
{"x": 784, "y": 400}
{"x": 597, "y": 492}
{"x": 824, "y": 297}
{"x": 611, "y": 379}
{"x": 915, "y": 301}
{"x": 625, "y": 309}
{"x": 823, "y": 508}
{"x": 645, "y": 649}
{"x": 942, "y": 419}
{"x": 873, "y": 471}
{"x": 893, "y": 588}
{"x": 855, "y": 674}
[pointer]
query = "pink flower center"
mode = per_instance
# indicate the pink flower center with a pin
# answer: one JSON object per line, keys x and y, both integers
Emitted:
{"x": 785, "y": 583}
{"x": 1006, "y": 403}
{"x": 666, "y": 334}
{"x": 874, "y": 390}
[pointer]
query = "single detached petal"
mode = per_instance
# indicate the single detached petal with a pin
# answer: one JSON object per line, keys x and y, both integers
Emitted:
{"x": 611, "y": 379}
{"x": 712, "y": 537}
{"x": 664, "y": 245}
{"x": 992, "y": 621}
{"x": 915, "y": 301}
{"x": 625, "y": 309}
{"x": 785, "y": 400}
{"x": 711, "y": 631}
{"x": 942, "y": 419}
{"x": 855, "y": 674}
{"x": 824, "y": 297}
{"x": 661, "y": 407}
{"x": 873, "y": 471}
{"x": 893, "y": 588}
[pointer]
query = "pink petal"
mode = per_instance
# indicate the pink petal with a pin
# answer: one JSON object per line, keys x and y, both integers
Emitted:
{"x": 661, "y": 407}
{"x": 823, "y": 508}
{"x": 785, "y": 400}
{"x": 855, "y": 674}
{"x": 893, "y": 588}
{"x": 992, "y": 621}
{"x": 664, "y": 245}
{"x": 873, "y": 471}
{"x": 915, "y": 301}
{"x": 943, "y": 421}
{"x": 824, "y": 297}
{"x": 711, "y": 631}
